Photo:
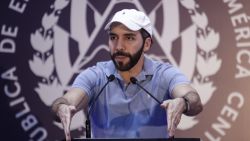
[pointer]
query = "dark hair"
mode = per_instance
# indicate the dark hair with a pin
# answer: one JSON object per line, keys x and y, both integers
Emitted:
{"x": 145, "y": 35}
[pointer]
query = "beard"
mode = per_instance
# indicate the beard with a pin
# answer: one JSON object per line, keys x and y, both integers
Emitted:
{"x": 133, "y": 59}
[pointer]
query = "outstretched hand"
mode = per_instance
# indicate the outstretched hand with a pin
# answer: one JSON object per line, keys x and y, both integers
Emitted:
{"x": 65, "y": 113}
{"x": 174, "y": 109}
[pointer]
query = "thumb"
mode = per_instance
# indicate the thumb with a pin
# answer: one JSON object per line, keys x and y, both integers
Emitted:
{"x": 72, "y": 108}
{"x": 165, "y": 104}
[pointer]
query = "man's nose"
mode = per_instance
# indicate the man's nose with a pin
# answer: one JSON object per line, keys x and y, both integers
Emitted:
{"x": 120, "y": 45}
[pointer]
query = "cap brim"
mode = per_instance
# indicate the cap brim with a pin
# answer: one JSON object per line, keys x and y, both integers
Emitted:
{"x": 130, "y": 25}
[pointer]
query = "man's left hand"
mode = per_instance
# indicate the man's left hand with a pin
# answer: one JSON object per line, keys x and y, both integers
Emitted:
{"x": 174, "y": 109}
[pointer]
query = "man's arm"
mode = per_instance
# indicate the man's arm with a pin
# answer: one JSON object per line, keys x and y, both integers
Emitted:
{"x": 191, "y": 99}
{"x": 66, "y": 106}
{"x": 185, "y": 100}
{"x": 74, "y": 97}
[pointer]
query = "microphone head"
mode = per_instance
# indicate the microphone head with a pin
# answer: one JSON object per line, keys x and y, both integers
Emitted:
{"x": 133, "y": 80}
{"x": 111, "y": 77}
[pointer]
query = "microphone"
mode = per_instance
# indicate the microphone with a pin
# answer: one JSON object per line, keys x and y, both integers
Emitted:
{"x": 87, "y": 122}
{"x": 134, "y": 81}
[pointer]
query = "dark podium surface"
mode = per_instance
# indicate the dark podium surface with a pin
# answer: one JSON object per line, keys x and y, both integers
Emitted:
{"x": 146, "y": 139}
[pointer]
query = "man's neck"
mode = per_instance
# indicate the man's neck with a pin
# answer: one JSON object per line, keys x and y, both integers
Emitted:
{"x": 126, "y": 75}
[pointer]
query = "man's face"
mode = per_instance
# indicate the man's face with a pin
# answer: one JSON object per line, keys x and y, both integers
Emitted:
{"x": 126, "y": 47}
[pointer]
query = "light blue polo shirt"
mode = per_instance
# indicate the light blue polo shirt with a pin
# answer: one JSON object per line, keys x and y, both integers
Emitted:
{"x": 126, "y": 111}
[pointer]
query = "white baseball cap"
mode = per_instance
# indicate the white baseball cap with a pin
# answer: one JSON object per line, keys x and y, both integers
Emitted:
{"x": 132, "y": 19}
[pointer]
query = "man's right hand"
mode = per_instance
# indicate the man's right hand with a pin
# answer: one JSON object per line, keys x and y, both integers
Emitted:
{"x": 65, "y": 113}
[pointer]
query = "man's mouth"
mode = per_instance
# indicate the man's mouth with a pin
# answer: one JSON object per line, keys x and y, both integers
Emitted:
{"x": 120, "y": 57}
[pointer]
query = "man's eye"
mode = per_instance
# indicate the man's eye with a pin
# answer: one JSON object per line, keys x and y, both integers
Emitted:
{"x": 130, "y": 38}
{"x": 112, "y": 37}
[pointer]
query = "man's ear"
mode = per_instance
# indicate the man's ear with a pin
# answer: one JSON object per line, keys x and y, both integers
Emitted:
{"x": 147, "y": 44}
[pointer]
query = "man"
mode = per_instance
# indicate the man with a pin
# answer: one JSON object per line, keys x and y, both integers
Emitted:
{"x": 123, "y": 109}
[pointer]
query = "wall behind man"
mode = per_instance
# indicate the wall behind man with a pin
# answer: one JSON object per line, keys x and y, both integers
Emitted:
{"x": 45, "y": 44}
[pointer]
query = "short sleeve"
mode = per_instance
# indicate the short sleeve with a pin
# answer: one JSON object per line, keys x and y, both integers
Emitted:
{"x": 173, "y": 77}
{"x": 86, "y": 80}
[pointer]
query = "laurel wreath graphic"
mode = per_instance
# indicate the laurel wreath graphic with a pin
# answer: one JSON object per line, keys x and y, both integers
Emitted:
{"x": 208, "y": 63}
{"x": 42, "y": 64}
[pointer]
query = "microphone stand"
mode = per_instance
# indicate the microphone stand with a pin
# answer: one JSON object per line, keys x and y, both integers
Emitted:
{"x": 87, "y": 122}
{"x": 134, "y": 81}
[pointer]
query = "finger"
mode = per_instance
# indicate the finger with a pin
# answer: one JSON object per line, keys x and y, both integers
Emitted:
{"x": 173, "y": 127}
{"x": 170, "y": 120}
{"x": 65, "y": 115}
{"x": 67, "y": 134}
{"x": 171, "y": 132}
{"x": 67, "y": 128}
{"x": 176, "y": 117}
{"x": 165, "y": 105}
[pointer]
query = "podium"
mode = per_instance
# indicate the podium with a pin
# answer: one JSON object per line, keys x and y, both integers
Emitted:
{"x": 146, "y": 139}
